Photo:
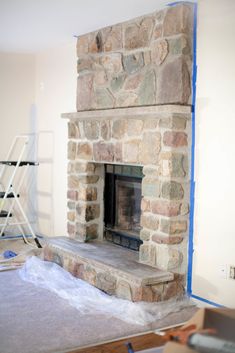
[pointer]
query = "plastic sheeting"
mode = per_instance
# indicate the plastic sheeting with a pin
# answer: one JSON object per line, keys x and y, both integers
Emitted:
{"x": 88, "y": 299}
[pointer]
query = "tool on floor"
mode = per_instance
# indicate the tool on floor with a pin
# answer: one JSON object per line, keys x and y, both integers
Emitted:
{"x": 204, "y": 340}
{"x": 129, "y": 348}
{"x": 9, "y": 254}
{"x": 14, "y": 171}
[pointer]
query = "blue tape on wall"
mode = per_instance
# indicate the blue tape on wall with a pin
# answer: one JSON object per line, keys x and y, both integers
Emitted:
{"x": 206, "y": 301}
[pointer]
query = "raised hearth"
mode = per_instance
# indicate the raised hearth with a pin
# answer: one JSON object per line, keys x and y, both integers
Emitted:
{"x": 112, "y": 269}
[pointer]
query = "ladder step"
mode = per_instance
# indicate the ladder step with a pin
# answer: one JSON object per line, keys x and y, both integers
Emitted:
{"x": 9, "y": 196}
{"x": 21, "y": 164}
{"x": 4, "y": 214}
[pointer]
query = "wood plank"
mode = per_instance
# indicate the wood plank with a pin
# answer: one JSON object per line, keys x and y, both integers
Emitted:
{"x": 139, "y": 343}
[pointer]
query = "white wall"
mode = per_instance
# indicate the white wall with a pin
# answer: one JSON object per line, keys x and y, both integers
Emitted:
{"x": 17, "y": 80}
{"x": 55, "y": 94}
{"x": 214, "y": 219}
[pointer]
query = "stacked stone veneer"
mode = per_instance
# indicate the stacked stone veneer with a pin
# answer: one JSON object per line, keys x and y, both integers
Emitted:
{"x": 157, "y": 138}
{"x": 133, "y": 107}
{"x": 146, "y": 61}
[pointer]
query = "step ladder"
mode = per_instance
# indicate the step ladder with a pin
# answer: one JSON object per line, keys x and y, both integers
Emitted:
{"x": 13, "y": 171}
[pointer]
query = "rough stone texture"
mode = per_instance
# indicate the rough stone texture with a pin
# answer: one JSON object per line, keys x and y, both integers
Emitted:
{"x": 85, "y": 94}
{"x": 73, "y": 130}
{"x": 85, "y": 232}
{"x": 119, "y": 129}
{"x": 88, "y": 212}
{"x": 87, "y": 193}
{"x": 178, "y": 19}
{"x": 169, "y": 240}
{"x": 172, "y": 190}
{"x": 159, "y": 51}
{"x": 137, "y": 56}
{"x": 175, "y": 139}
{"x": 165, "y": 208}
{"x": 169, "y": 226}
{"x": 137, "y": 35}
{"x": 133, "y": 63}
{"x": 174, "y": 122}
{"x": 91, "y": 130}
{"x": 131, "y": 151}
{"x": 116, "y": 283}
{"x": 149, "y": 221}
{"x": 105, "y": 130}
{"x": 72, "y": 147}
{"x": 103, "y": 152}
{"x": 173, "y": 164}
{"x": 150, "y": 187}
{"x": 150, "y": 147}
{"x": 174, "y": 83}
{"x": 134, "y": 127}
{"x": 84, "y": 151}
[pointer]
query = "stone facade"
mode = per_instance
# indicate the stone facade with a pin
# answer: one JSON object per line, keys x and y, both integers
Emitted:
{"x": 157, "y": 138}
{"x": 145, "y": 61}
{"x": 133, "y": 107}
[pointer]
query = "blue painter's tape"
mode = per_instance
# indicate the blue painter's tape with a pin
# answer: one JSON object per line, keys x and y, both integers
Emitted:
{"x": 192, "y": 182}
{"x": 207, "y": 301}
{"x": 180, "y": 2}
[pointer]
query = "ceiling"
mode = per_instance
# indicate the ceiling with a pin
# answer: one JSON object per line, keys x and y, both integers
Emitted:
{"x": 34, "y": 25}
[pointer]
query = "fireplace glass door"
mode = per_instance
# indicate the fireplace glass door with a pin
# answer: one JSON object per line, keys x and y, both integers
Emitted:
{"x": 122, "y": 205}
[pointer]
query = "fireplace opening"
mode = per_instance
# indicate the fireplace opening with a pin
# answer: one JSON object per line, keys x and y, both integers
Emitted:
{"x": 122, "y": 201}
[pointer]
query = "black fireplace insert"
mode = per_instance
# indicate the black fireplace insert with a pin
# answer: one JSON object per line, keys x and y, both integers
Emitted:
{"x": 122, "y": 201}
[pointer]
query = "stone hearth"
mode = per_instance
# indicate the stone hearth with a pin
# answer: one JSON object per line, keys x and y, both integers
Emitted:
{"x": 134, "y": 108}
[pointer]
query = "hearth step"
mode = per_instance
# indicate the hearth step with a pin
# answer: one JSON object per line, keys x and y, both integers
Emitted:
{"x": 112, "y": 269}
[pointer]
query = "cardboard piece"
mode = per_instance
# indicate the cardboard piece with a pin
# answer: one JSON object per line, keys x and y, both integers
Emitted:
{"x": 223, "y": 320}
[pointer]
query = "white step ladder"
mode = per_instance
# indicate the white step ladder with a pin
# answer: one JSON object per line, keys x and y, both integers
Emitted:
{"x": 14, "y": 170}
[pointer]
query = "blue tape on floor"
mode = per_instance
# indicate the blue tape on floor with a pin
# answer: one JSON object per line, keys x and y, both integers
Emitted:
{"x": 206, "y": 301}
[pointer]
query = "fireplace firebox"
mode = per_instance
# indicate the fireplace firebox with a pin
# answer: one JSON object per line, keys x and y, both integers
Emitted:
{"x": 122, "y": 195}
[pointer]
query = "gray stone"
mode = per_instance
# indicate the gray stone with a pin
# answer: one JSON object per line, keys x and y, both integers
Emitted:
{"x": 73, "y": 130}
{"x": 123, "y": 290}
{"x": 172, "y": 190}
{"x": 133, "y": 62}
{"x": 145, "y": 235}
{"x": 131, "y": 151}
{"x": 106, "y": 282}
{"x": 112, "y": 63}
{"x": 84, "y": 63}
{"x": 103, "y": 152}
{"x": 72, "y": 148}
{"x": 179, "y": 45}
{"x": 173, "y": 227}
{"x": 105, "y": 130}
{"x": 91, "y": 129}
{"x": 174, "y": 83}
{"x": 117, "y": 82}
{"x": 103, "y": 99}
{"x": 119, "y": 128}
{"x": 150, "y": 187}
{"x": 150, "y": 147}
{"x": 126, "y": 99}
{"x": 147, "y": 91}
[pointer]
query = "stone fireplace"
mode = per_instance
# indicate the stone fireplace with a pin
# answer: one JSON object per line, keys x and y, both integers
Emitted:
{"x": 134, "y": 113}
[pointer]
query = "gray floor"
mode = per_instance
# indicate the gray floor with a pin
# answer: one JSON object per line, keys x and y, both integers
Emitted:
{"x": 36, "y": 320}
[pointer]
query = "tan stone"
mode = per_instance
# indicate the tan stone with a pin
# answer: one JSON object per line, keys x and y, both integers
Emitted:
{"x": 70, "y": 230}
{"x": 174, "y": 122}
{"x": 73, "y": 182}
{"x": 112, "y": 63}
{"x": 151, "y": 171}
{"x": 173, "y": 227}
{"x": 88, "y": 179}
{"x": 175, "y": 139}
{"x": 100, "y": 78}
{"x": 157, "y": 33}
{"x": 88, "y": 212}
{"x": 134, "y": 127}
{"x": 90, "y": 275}
{"x": 165, "y": 208}
{"x": 84, "y": 167}
{"x": 84, "y": 151}
{"x": 172, "y": 290}
{"x": 133, "y": 81}
{"x": 137, "y": 35}
{"x": 151, "y": 124}
{"x": 106, "y": 282}
{"x": 73, "y": 130}
{"x": 84, "y": 63}
{"x": 174, "y": 84}
{"x": 159, "y": 51}
{"x": 87, "y": 193}
{"x": 103, "y": 152}
{"x": 119, "y": 128}
{"x": 85, "y": 232}
{"x": 82, "y": 44}
{"x": 150, "y": 147}
{"x": 167, "y": 258}
{"x": 149, "y": 221}
{"x": 72, "y": 147}
{"x": 105, "y": 130}
{"x": 145, "y": 205}
{"x": 131, "y": 151}
{"x": 71, "y": 216}
{"x": 112, "y": 37}
{"x": 85, "y": 93}
{"x": 172, "y": 190}
{"x": 118, "y": 153}
{"x": 178, "y": 19}
{"x": 173, "y": 164}
{"x": 169, "y": 240}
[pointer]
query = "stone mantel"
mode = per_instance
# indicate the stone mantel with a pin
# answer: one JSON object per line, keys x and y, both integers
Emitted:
{"x": 132, "y": 112}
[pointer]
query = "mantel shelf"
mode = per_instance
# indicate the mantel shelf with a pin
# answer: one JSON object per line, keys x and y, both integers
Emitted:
{"x": 132, "y": 112}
